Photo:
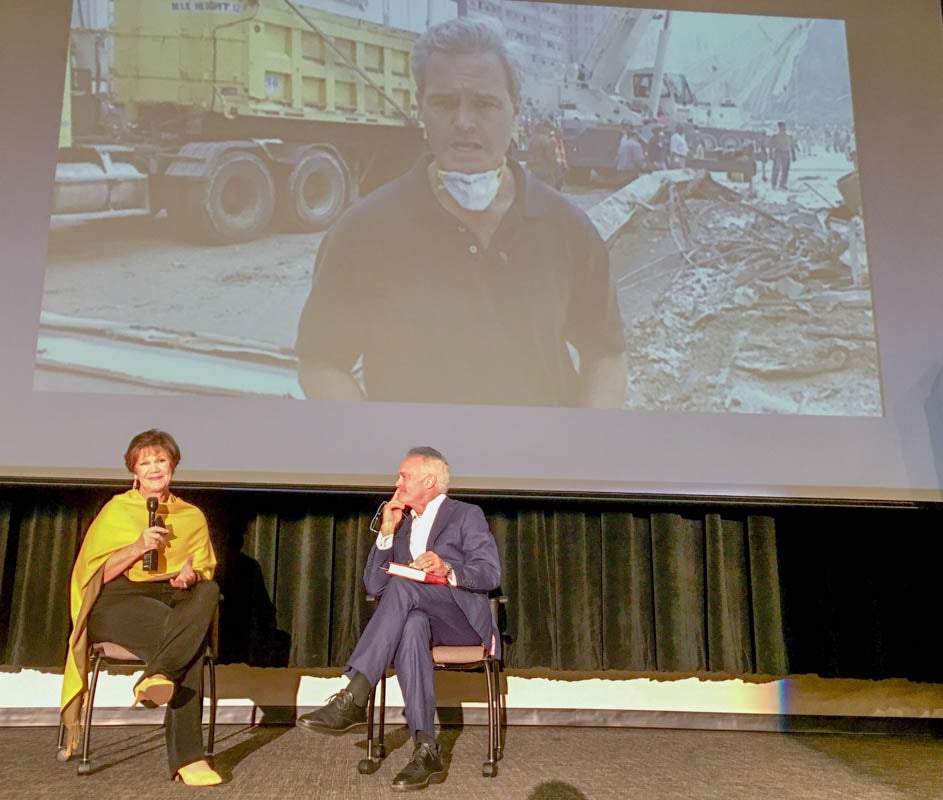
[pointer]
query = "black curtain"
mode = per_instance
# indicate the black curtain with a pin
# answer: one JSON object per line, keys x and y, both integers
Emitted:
{"x": 593, "y": 584}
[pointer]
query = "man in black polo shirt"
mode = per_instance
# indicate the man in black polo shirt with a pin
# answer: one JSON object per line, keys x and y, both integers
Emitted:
{"x": 464, "y": 281}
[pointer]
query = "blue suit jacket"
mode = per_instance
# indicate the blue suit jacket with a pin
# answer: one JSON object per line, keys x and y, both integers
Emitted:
{"x": 461, "y": 536}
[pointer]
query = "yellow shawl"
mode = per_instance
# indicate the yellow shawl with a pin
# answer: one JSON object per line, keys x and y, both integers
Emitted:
{"x": 118, "y": 524}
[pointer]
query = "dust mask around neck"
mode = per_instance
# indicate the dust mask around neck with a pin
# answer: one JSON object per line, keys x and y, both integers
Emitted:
{"x": 472, "y": 192}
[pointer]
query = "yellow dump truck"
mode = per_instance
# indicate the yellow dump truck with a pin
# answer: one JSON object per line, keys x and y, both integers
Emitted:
{"x": 230, "y": 115}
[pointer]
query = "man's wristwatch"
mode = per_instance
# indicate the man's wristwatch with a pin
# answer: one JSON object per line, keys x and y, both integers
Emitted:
{"x": 448, "y": 569}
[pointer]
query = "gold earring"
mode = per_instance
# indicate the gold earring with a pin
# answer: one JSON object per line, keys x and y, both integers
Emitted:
{"x": 134, "y": 483}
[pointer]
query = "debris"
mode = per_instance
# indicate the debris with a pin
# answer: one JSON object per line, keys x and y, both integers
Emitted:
{"x": 755, "y": 307}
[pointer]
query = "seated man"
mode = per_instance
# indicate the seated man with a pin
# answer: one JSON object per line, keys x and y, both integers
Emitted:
{"x": 440, "y": 536}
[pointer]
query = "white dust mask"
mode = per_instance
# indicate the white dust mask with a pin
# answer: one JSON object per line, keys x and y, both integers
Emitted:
{"x": 472, "y": 192}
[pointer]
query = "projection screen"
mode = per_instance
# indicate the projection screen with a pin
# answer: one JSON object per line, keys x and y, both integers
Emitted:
{"x": 780, "y": 341}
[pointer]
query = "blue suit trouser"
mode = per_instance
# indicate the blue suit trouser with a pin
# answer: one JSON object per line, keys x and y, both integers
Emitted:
{"x": 410, "y": 619}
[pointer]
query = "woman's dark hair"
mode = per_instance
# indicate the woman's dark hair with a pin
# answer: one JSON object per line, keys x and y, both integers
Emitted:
{"x": 152, "y": 438}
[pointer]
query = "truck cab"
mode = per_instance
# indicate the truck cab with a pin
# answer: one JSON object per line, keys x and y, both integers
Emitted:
{"x": 677, "y": 98}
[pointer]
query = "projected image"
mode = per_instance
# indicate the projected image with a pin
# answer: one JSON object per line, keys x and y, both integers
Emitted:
{"x": 253, "y": 198}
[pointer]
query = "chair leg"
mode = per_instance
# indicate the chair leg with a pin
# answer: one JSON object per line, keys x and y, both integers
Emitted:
{"x": 502, "y": 710}
{"x": 490, "y": 767}
{"x": 211, "y": 735}
{"x": 85, "y": 765}
{"x": 60, "y": 744}
{"x": 376, "y": 751}
{"x": 381, "y": 745}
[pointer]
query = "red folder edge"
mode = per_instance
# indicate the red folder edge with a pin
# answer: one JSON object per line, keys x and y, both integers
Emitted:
{"x": 413, "y": 574}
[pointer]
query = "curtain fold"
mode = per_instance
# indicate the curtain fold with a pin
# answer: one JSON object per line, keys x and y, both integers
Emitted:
{"x": 679, "y": 586}
{"x": 628, "y": 593}
{"x": 8, "y": 531}
{"x": 40, "y": 537}
{"x": 529, "y": 583}
{"x": 577, "y": 556}
{"x": 769, "y": 643}
{"x": 303, "y": 590}
{"x": 729, "y": 617}
{"x": 597, "y": 586}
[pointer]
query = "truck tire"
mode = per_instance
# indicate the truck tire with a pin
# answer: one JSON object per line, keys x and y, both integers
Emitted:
{"x": 315, "y": 193}
{"x": 235, "y": 203}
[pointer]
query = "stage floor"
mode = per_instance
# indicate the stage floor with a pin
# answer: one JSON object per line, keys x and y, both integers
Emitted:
{"x": 540, "y": 763}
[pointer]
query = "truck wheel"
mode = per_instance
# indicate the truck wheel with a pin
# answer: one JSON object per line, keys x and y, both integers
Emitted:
{"x": 315, "y": 194}
{"x": 236, "y": 202}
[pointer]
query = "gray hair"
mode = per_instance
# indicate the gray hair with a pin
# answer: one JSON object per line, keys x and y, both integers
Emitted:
{"x": 434, "y": 463}
{"x": 465, "y": 36}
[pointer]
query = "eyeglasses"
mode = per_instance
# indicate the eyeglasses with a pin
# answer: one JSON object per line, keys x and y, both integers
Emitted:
{"x": 375, "y": 522}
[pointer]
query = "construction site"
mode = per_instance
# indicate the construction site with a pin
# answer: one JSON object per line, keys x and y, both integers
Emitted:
{"x": 737, "y": 295}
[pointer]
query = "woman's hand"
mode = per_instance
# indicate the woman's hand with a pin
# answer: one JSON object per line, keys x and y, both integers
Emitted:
{"x": 186, "y": 577}
{"x": 151, "y": 539}
{"x": 120, "y": 560}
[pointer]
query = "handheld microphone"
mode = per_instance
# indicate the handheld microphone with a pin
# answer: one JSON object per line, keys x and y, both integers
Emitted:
{"x": 149, "y": 562}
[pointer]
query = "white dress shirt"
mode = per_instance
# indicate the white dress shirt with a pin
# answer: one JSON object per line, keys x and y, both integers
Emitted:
{"x": 418, "y": 532}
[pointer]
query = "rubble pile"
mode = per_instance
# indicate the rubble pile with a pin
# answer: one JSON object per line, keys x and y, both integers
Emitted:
{"x": 748, "y": 307}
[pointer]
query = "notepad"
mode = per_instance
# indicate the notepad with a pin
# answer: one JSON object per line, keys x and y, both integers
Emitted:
{"x": 413, "y": 574}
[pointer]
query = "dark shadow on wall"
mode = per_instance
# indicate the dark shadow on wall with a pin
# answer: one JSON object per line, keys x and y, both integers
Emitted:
{"x": 248, "y": 631}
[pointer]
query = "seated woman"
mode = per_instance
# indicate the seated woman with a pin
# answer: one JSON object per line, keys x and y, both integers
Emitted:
{"x": 161, "y": 614}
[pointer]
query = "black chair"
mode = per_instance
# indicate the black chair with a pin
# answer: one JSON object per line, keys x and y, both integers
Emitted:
{"x": 464, "y": 659}
{"x": 111, "y": 653}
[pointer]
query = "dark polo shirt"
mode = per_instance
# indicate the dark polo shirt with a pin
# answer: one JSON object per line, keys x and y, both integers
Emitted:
{"x": 435, "y": 317}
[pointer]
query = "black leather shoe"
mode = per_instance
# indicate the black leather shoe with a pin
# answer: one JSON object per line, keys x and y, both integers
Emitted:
{"x": 424, "y": 768}
{"x": 339, "y": 715}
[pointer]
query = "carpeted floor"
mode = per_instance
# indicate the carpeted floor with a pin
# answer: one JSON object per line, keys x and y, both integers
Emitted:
{"x": 540, "y": 763}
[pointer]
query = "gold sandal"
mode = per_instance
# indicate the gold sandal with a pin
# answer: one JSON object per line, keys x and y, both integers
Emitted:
{"x": 199, "y": 773}
{"x": 154, "y": 691}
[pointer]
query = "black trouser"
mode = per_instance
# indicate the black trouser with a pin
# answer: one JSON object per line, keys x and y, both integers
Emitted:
{"x": 166, "y": 628}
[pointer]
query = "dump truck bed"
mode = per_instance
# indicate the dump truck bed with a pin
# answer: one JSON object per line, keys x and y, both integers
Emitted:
{"x": 260, "y": 60}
